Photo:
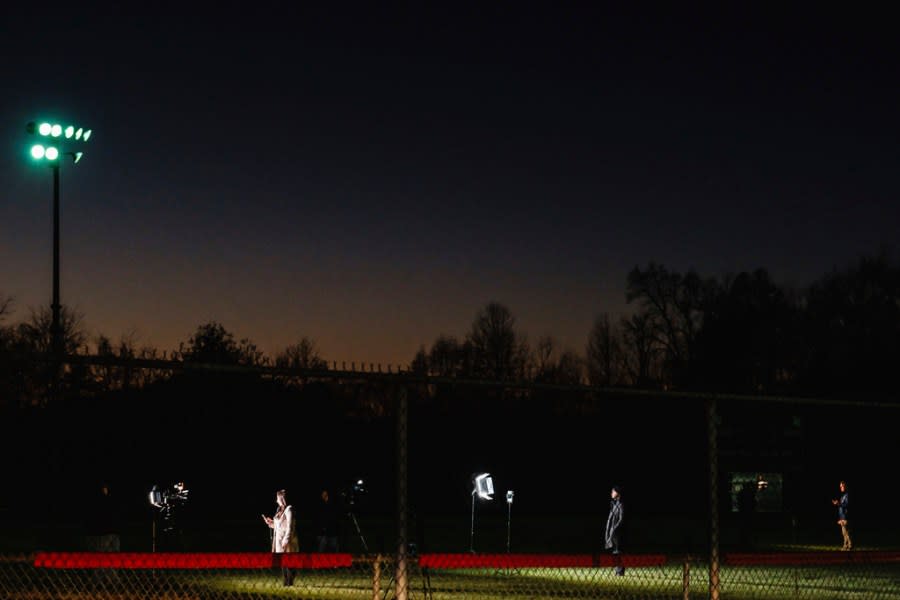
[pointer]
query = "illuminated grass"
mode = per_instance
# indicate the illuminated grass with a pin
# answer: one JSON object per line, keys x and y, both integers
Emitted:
{"x": 738, "y": 583}
{"x": 832, "y": 582}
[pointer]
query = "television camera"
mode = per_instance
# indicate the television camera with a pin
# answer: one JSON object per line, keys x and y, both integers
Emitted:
{"x": 352, "y": 493}
{"x": 167, "y": 498}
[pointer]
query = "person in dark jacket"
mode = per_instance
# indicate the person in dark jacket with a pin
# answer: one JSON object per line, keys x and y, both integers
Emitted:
{"x": 327, "y": 524}
{"x": 843, "y": 503}
{"x": 614, "y": 522}
{"x": 746, "y": 511}
{"x": 103, "y": 519}
{"x": 102, "y": 530}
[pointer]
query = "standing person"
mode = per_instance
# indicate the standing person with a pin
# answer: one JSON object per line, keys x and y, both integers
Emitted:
{"x": 746, "y": 510}
{"x": 102, "y": 530}
{"x": 843, "y": 504}
{"x": 284, "y": 538}
{"x": 614, "y": 527}
{"x": 327, "y": 523}
{"x": 103, "y": 522}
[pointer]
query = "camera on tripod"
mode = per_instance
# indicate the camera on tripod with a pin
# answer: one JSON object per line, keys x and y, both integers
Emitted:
{"x": 167, "y": 498}
{"x": 351, "y": 494}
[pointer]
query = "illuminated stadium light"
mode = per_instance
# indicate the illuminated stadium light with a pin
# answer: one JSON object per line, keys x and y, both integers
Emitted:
{"x": 52, "y": 155}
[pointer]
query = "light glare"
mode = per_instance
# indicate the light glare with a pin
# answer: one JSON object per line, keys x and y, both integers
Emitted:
{"x": 484, "y": 486}
{"x": 51, "y": 153}
{"x": 70, "y": 131}
{"x": 45, "y": 128}
{"x": 78, "y": 133}
{"x": 56, "y": 130}
{"x": 87, "y": 134}
{"x": 37, "y": 151}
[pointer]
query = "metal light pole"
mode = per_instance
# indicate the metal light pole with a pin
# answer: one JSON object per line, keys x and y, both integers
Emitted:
{"x": 54, "y": 134}
{"x": 55, "y": 326}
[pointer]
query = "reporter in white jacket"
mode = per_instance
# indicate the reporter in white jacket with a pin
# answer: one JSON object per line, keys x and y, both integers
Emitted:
{"x": 284, "y": 538}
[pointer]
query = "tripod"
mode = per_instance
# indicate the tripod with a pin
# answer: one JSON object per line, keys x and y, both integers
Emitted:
{"x": 362, "y": 538}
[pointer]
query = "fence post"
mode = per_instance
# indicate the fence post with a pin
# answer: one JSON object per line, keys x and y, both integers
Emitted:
{"x": 686, "y": 578}
{"x": 401, "y": 570}
{"x": 713, "y": 435}
{"x": 376, "y": 578}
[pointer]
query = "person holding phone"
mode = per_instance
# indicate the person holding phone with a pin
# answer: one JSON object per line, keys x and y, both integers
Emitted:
{"x": 284, "y": 538}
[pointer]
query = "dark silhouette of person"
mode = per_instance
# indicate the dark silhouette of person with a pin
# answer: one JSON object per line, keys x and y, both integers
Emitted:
{"x": 746, "y": 511}
{"x": 327, "y": 524}
{"x": 103, "y": 522}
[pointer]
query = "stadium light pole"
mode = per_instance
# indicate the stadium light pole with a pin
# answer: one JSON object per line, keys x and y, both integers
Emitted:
{"x": 48, "y": 150}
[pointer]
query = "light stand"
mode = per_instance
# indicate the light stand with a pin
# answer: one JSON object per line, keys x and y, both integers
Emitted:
{"x": 156, "y": 501}
{"x": 484, "y": 487}
{"x": 509, "y": 501}
{"x": 472, "y": 530}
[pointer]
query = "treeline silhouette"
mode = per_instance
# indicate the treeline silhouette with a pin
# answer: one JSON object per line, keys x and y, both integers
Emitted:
{"x": 738, "y": 333}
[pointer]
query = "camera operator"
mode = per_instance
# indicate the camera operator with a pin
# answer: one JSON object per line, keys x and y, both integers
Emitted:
{"x": 103, "y": 522}
{"x": 327, "y": 525}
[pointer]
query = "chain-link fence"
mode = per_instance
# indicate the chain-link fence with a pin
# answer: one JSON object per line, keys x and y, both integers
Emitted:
{"x": 218, "y": 575}
{"x": 449, "y": 489}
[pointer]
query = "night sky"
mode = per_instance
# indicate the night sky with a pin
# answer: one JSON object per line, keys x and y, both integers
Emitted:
{"x": 372, "y": 177}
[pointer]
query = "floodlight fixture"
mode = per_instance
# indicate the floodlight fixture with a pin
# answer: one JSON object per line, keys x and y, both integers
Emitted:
{"x": 78, "y": 156}
{"x": 51, "y": 153}
{"x": 70, "y": 131}
{"x": 45, "y": 128}
{"x": 38, "y": 151}
{"x": 78, "y": 133}
{"x": 86, "y": 135}
{"x": 156, "y": 497}
{"x": 56, "y": 130}
{"x": 484, "y": 486}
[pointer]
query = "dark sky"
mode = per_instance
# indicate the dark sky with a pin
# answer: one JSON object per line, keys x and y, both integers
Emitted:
{"x": 371, "y": 176}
